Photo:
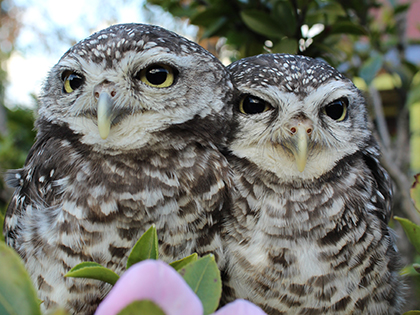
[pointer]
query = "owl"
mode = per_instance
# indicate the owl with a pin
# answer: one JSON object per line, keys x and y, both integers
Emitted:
{"x": 129, "y": 125}
{"x": 308, "y": 231}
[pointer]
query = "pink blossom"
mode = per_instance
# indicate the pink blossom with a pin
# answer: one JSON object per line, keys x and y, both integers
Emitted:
{"x": 240, "y": 307}
{"x": 156, "y": 281}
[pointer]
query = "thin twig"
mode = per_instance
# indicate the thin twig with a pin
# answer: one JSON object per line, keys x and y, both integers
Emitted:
{"x": 380, "y": 117}
{"x": 402, "y": 183}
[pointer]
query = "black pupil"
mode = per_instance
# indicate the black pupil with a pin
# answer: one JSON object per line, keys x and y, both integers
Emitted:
{"x": 157, "y": 75}
{"x": 75, "y": 81}
{"x": 335, "y": 110}
{"x": 252, "y": 105}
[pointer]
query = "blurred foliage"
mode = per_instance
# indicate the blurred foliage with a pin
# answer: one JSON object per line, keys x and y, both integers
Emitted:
{"x": 360, "y": 38}
{"x": 15, "y": 144}
{"x": 16, "y": 136}
{"x": 413, "y": 233}
{"x": 202, "y": 275}
{"x": 316, "y": 28}
{"x": 17, "y": 294}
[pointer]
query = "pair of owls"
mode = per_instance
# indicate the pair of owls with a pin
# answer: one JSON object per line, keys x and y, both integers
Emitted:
{"x": 131, "y": 127}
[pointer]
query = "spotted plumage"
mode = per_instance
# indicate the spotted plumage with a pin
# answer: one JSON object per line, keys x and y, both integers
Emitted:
{"x": 128, "y": 128}
{"x": 308, "y": 231}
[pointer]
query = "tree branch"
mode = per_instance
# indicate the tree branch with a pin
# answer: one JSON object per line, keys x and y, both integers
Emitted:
{"x": 402, "y": 183}
{"x": 380, "y": 117}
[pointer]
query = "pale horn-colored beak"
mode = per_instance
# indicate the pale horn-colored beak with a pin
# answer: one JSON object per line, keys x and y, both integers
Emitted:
{"x": 104, "y": 110}
{"x": 301, "y": 132}
{"x": 104, "y": 93}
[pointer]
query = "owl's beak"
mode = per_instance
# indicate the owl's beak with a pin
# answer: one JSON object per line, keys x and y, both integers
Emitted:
{"x": 301, "y": 131}
{"x": 104, "y": 111}
{"x": 104, "y": 93}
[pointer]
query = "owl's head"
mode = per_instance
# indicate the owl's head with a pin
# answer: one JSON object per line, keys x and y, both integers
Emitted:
{"x": 121, "y": 85}
{"x": 297, "y": 117}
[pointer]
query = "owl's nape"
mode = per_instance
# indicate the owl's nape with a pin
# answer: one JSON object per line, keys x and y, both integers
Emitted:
{"x": 307, "y": 232}
{"x": 129, "y": 125}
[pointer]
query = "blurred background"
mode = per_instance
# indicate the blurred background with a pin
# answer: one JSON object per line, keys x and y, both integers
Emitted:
{"x": 374, "y": 42}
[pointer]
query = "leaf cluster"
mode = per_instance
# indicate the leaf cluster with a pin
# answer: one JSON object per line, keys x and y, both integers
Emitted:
{"x": 15, "y": 145}
{"x": 253, "y": 27}
{"x": 412, "y": 231}
{"x": 18, "y": 296}
{"x": 354, "y": 36}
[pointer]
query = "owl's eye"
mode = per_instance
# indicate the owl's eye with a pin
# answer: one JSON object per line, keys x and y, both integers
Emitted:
{"x": 72, "y": 81}
{"x": 157, "y": 75}
{"x": 337, "y": 109}
{"x": 253, "y": 105}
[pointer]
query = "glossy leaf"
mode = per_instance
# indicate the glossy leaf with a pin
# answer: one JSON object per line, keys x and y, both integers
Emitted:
{"x": 287, "y": 46}
{"x": 203, "y": 277}
{"x": 212, "y": 29}
{"x": 93, "y": 270}
{"x": 371, "y": 68}
{"x": 408, "y": 271}
{"x": 156, "y": 281}
{"x": 59, "y": 311}
{"x": 144, "y": 307}
{"x": 261, "y": 23}
{"x": 206, "y": 17}
{"x": 412, "y": 231}
{"x": 284, "y": 15}
{"x": 414, "y": 97}
{"x": 1, "y": 225}
{"x": 179, "y": 264}
{"x": 17, "y": 294}
{"x": 401, "y": 8}
{"x": 415, "y": 192}
{"x": 145, "y": 248}
{"x": 332, "y": 8}
{"x": 347, "y": 27}
{"x": 313, "y": 17}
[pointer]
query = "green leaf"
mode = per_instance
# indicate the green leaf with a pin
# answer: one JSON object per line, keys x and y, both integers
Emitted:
{"x": 332, "y": 8}
{"x": 393, "y": 3}
{"x": 413, "y": 97}
{"x": 412, "y": 313}
{"x": 416, "y": 267}
{"x": 347, "y": 27}
{"x": 370, "y": 68}
{"x": 206, "y": 17}
{"x": 179, "y": 264}
{"x": 59, "y": 311}
{"x": 212, "y": 29}
{"x": 401, "y": 8}
{"x": 408, "y": 271}
{"x": 412, "y": 231}
{"x": 261, "y": 23}
{"x": 145, "y": 248}
{"x": 286, "y": 45}
{"x": 93, "y": 270}
{"x": 284, "y": 15}
{"x": 415, "y": 192}
{"x": 1, "y": 227}
{"x": 17, "y": 294}
{"x": 144, "y": 307}
{"x": 203, "y": 277}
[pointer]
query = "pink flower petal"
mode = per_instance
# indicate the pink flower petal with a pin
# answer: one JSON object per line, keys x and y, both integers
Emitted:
{"x": 156, "y": 281}
{"x": 240, "y": 307}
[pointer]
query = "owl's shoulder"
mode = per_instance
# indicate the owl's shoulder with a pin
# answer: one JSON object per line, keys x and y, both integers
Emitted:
{"x": 382, "y": 194}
